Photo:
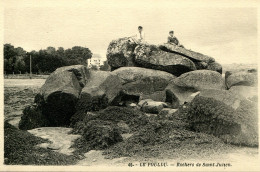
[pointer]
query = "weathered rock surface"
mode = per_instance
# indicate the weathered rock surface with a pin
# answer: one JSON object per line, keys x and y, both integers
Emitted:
{"x": 58, "y": 97}
{"x": 80, "y": 71}
{"x": 144, "y": 83}
{"x": 224, "y": 96}
{"x": 177, "y": 95}
{"x": 120, "y": 53}
{"x": 224, "y": 115}
{"x": 100, "y": 91}
{"x": 241, "y": 78}
{"x": 56, "y": 100}
{"x": 215, "y": 67}
{"x": 150, "y": 56}
{"x": 200, "y": 80}
{"x": 192, "y": 55}
{"x": 201, "y": 61}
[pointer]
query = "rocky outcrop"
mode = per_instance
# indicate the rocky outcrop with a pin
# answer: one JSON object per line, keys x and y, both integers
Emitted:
{"x": 177, "y": 95}
{"x": 201, "y": 61}
{"x": 200, "y": 80}
{"x": 80, "y": 71}
{"x": 192, "y": 55}
{"x": 224, "y": 115}
{"x": 150, "y": 56}
{"x": 244, "y": 78}
{"x": 122, "y": 86}
{"x": 120, "y": 53}
{"x": 100, "y": 91}
{"x": 55, "y": 103}
{"x": 214, "y": 66}
{"x": 58, "y": 97}
{"x": 144, "y": 83}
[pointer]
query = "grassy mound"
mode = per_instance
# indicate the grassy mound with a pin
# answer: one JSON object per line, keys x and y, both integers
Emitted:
{"x": 163, "y": 140}
{"x": 135, "y": 119}
{"x": 20, "y": 148}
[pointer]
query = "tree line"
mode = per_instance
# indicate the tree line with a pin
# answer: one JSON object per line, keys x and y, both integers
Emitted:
{"x": 45, "y": 61}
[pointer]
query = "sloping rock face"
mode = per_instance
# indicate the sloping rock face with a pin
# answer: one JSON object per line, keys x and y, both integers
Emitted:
{"x": 215, "y": 67}
{"x": 200, "y": 80}
{"x": 120, "y": 53}
{"x": 244, "y": 78}
{"x": 100, "y": 91}
{"x": 80, "y": 71}
{"x": 201, "y": 61}
{"x": 150, "y": 56}
{"x": 232, "y": 119}
{"x": 176, "y": 95}
{"x": 194, "y": 56}
{"x": 144, "y": 83}
{"x": 124, "y": 85}
{"x": 58, "y": 96}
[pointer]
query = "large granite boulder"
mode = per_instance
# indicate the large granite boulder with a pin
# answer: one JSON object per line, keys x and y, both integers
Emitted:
{"x": 80, "y": 71}
{"x": 150, "y": 56}
{"x": 58, "y": 97}
{"x": 225, "y": 115}
{"x": 56, "y": 100}
{"x": 215, "y": 67}
{"x": 192, "y": 55}
{"x": 177, "y": 95}
{"x": 200, "y": 80}
{"x": 144, "y": 83}
{"x": 120, "y": 53}
{"x": 201, "y": 61}
{"x": 225, "y": 96}
{"x": 245, "y": 78}
{"x": 100, "y": 91}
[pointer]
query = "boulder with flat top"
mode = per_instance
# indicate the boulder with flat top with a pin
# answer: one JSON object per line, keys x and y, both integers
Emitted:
{"x": 152, "y": 57}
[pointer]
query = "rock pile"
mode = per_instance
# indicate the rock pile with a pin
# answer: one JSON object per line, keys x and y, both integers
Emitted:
{"x": 171, "y": 83}
{"x": 166, "y": 57}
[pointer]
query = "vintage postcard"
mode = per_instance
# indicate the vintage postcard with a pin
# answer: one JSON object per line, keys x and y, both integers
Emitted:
{"x": 116, "y": 85}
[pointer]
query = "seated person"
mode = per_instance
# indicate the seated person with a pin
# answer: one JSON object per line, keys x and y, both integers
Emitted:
{"x": 173, "y": 40}
{"x": 139, "y": 37}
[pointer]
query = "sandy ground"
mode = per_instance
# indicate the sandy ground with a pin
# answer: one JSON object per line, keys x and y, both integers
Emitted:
{"x": 20, "y": 93}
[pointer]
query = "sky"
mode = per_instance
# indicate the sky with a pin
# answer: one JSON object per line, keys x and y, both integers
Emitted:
{"x": 226, "y": 33}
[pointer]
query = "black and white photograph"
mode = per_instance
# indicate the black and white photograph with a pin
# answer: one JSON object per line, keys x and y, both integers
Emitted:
{"x": 120, "y": 85}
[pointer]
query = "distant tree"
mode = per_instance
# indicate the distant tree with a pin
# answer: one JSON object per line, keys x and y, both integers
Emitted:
{"x": 19, "y": 65}
{"x": 105, "y": 66}
{"x": 9, "y": 55}
{"x": 77, "y": 55}
{"x": 51, "y": 50}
